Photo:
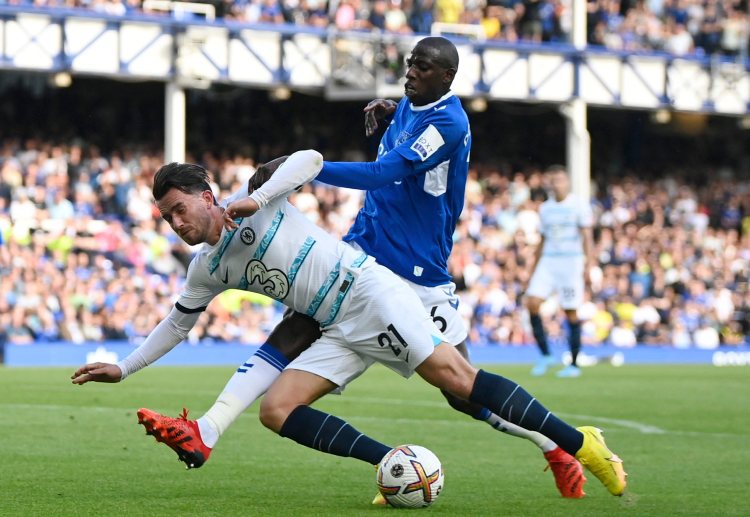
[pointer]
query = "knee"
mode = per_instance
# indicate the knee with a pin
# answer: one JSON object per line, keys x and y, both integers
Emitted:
{"x": 273, "y": 413}
{"x": 447, "y": 370}
{"x": 462, "y": 386}
{"x": 457, "y": 384}
{"x": 533, "y": 304}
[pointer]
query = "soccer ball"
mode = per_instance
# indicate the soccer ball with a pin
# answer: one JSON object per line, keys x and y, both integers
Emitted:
{"x": 410, "y": 476}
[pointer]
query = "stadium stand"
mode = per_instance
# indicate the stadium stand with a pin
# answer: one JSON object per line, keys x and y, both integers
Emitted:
{"x": 679, "y": 27}
{"x": 86, "y": 258}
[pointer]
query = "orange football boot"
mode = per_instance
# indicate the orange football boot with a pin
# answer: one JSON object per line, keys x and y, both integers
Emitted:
{"x": 568, "y": 473}
{"x": 180, "y": 434}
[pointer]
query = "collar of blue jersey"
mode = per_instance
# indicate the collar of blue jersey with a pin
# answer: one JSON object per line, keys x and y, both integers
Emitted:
{"x": 432, "y": 104}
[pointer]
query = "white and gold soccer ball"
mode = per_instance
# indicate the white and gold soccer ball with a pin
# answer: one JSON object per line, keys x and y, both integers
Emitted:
{"x": 410, "y": 476}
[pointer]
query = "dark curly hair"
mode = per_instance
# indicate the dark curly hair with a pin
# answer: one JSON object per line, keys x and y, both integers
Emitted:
{"x": 185, "y": 177}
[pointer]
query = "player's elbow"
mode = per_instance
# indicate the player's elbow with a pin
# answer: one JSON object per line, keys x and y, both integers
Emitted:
{"x": 312, "y": 157}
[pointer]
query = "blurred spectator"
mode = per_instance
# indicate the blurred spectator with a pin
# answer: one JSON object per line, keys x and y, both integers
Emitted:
{"x": 85, "y": 257}
{"x": 680, "y": 27}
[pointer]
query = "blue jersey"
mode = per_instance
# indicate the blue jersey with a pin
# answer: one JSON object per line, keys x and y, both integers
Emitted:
{"x": 408, "y": 225}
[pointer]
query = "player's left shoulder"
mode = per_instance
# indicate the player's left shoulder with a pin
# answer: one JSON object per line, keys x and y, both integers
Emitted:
{"x": 450, "y": 111}
{"x": 451, "y": 128}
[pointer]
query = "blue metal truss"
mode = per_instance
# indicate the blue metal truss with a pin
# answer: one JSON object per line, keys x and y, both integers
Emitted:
{"x": 480, "y": 75}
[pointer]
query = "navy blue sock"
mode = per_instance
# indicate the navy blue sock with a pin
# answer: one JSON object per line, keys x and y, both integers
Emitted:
{"x": 574, "y": 341}
{"x": 538, "y": 329}
{"x": 510, "y": 401}
{"x": 327, "y": 433}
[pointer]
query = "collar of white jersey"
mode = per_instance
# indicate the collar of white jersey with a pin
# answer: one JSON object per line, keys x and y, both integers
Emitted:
{"x": 432, "y": 104}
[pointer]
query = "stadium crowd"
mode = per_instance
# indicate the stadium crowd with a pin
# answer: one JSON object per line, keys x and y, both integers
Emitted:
{"x": 85, "y": 256}
{"x": 679, "y": 27}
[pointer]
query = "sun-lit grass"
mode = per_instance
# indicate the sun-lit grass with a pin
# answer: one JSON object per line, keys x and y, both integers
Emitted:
{"x": 70, "y": 450}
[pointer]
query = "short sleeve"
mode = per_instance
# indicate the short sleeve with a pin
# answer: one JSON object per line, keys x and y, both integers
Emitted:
{"x": 433, "y": 143}
{"x": 585, "y": 215}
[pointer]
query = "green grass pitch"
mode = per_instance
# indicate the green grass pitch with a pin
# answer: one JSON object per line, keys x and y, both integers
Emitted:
{"x": 77, "y": 450}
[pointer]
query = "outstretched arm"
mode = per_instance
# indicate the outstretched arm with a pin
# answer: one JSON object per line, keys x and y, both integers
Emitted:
{"x": 167, "y": 334}
{"x": 278, "y": 178}
{"x": 431, "y": 144}
{"x": 368, "y": 175}
{"x": 297, "y": 170}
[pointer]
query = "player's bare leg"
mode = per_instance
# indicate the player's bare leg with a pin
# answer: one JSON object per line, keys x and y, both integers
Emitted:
{"x": 294, "y": 334}
{"x": 568, "y": 473}
{"x": 448, "y": 370}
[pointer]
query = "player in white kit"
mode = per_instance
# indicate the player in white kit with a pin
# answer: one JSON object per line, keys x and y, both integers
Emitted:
{"x": 561, "y": 265}
{"x": 263, "y": 244}
{"x": 415, "y": 195}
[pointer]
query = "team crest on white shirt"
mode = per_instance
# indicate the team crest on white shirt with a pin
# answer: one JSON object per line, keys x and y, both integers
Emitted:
{"x": 247, "y": 235}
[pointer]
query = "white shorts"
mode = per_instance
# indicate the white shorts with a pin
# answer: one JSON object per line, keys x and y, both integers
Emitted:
{"x": 441, "y": 303}
{"x": 563, "y": 275}
{"x": 384, "y": 322}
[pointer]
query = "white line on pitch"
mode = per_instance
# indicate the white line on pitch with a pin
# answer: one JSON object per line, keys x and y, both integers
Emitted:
{"x": 625, "y": 424}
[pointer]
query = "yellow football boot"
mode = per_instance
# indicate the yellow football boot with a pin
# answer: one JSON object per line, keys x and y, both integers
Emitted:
{"x": 600, "y": 461}
{"x": 379, "y": 500}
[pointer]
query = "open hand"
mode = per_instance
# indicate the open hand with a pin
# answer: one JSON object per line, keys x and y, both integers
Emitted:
{"x": 377, "y": 110}
{"x": 97, "y": 372}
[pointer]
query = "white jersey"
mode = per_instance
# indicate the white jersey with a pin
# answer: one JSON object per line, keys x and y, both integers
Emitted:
{"x": 280, "y": 253}
{"x": 560, "y": 225}
{"x": 277, "y": 252}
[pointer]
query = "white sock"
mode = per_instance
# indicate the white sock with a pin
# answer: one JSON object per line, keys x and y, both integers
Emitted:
{"x": 504, "y": 426}
{"x": 248, "y": 384}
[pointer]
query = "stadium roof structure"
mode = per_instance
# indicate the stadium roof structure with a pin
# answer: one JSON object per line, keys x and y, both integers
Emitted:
{"x": 195, "y": 52}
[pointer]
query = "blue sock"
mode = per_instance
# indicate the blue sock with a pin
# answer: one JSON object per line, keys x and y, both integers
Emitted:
{"x": 510, "y": 401}
{"x": 269, "y": 354}
{"x": 538, "y": 330}
{"x": 327, "y": 433}
{"x": 574, "y": 341}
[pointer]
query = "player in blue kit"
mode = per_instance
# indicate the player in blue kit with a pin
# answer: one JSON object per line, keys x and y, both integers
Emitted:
{"x": 415, "y": 194}
{"x": 263, "y": 244}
